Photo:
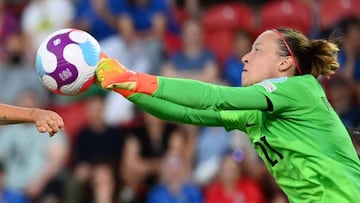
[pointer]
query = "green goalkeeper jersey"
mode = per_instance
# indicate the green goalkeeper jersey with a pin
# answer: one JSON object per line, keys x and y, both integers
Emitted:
{"x": 290, "y": 123}
{"x": 302, "y": 141}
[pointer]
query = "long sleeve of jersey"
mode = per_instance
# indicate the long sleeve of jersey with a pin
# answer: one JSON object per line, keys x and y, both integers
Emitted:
{"x": 174, "y": 112}
{"x": 200, "y": 95}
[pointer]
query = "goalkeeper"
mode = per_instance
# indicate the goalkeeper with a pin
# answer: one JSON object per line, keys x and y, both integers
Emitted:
{"x": 282, "y": 107}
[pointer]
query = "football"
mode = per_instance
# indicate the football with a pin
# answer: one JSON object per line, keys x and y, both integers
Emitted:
{"x": 66, "y": 61}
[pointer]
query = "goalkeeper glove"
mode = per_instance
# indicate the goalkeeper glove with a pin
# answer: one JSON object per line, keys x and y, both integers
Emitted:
{"x": 114, "y": 76}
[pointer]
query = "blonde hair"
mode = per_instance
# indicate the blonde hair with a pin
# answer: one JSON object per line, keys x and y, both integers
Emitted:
{"x": 316, "y": 57}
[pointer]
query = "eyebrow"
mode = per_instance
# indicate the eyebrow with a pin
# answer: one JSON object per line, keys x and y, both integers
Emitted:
{"x": 257, "y": 44}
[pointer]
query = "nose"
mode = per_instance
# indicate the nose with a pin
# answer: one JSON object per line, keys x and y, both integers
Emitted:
{"x": 245, "y": 58}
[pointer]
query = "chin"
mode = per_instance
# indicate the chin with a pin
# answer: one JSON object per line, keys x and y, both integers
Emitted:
{"x": 244, "y": 84}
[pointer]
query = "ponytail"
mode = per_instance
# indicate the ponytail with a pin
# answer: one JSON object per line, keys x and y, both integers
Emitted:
{"x": 323, "y": 58}
{"x": 316, "y": 57}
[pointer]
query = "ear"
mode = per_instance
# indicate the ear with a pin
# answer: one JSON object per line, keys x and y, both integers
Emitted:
{"x": 286, "y": 64}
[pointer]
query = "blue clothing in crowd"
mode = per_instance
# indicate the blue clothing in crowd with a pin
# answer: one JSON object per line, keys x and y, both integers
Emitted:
{"x": 232, "y": 70}
{"x": 142, "y": 16}
{"x": 9, "y": 196}
{"x": 97, "y": 26}
{"x": 212, "y": 142}
{"x": 342, "y": 60}
{"x": 183, "y": 62}
{"x": 189, "y": 194}
{"x": 351, "y": 118}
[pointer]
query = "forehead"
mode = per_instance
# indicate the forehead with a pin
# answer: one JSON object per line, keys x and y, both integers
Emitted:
{"x": 267, "y": 38}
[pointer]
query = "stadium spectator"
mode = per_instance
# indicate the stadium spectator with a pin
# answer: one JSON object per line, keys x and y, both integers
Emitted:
{"x": 96, "y": 17}
{"x": 232, "y": 185}
{"x": 41, "y": 18}
{"x": 233, "y": 65}
{"x": 16, "y": 74}
{"x": 349, "y": 56}
{"x": 10, "y": 25}
{"x": 193, "y": 61}
{"x": 95, "y": 142}
{"x": 145, "y": 18}
{"x": 175, "y": 185}
{"x": 211, "y": 143}
{"x": 148, "y": 21}
{"x": 7, "y": 195}
{"x": 104, "y": 183}
{"x": 341, "y": 94}
{"x": 142, "y": 154}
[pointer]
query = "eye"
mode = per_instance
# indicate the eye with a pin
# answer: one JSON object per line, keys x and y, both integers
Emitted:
{"x": 256, "y": 49}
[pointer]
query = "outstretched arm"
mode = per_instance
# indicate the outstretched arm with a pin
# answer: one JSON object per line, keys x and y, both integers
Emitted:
{"x": 173, "y": 112}
{"x": 45, "y": 120}
{"x": 201, "y": 95}
{"x": 191, "y": 93}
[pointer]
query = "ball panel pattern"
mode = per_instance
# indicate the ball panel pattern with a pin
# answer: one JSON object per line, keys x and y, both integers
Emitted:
{"x": 78, "y": 36}
{"x": 49, "y": 82}
{"x": 91, "y": 57}
{"x": 66, "y": 61}
{"x": 46, "y": 61}
{"x": 65, "y": 72}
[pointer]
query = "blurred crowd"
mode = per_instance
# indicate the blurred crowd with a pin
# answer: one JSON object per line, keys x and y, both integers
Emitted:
{"x": 112, "y": 152}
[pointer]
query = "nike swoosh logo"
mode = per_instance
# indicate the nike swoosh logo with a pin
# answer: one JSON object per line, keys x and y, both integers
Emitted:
{"x": 250, "y": 124}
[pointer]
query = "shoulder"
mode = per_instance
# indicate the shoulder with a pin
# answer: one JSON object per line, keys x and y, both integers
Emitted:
{"x": 290, "y": 93}
{"x": 270, "y": 85}
{"x": 287, "y": 83}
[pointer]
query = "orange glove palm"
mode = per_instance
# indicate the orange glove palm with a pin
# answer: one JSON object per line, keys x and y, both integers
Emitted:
{"x": 113, "y": 75}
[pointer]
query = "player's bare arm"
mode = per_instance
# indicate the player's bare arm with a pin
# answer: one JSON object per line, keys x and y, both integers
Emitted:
{"x": 44, "y": 120}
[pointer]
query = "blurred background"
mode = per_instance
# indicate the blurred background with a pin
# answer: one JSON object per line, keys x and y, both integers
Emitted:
{"x": 112, "y": 152}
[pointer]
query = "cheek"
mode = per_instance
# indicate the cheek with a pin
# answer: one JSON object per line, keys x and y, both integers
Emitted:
{"x": 267, "y": 64}
{"x": 261, "y": 70}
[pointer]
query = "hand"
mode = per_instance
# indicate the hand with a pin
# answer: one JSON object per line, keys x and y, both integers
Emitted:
{"x": 125, "y": 93}
{"x": 47, "y": 121}
{"x": 113, "y": 75}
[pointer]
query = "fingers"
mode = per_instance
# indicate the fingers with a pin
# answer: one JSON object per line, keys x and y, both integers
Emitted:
{"x": 45, "y": 127}
{"x": 54, "y": 127}
{"x": 51, "y": 134}
{"x": 61, "y": 123}
{"x": 48, "y": 121}
{"x": 51, "y": 125}
{"x": 41, "y": 129}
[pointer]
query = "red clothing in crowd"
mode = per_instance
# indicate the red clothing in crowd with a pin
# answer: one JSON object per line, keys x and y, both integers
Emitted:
{"x": 246, "y": 191}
